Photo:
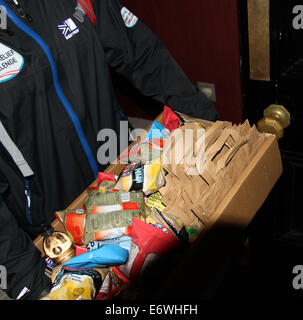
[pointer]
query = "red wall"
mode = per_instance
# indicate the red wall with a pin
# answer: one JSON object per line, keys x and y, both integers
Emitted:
{"x": 203, "y": 37}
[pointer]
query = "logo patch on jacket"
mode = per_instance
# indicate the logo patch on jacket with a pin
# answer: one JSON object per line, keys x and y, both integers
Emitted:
{"x": 68, "y": 28}
{"x": 129, "y": 18}
{"x": 11, "y": 63}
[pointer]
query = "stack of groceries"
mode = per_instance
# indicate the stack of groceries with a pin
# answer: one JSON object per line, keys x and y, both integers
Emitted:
{"x": 173, "y": 181}
{"x": 121, "y": 229}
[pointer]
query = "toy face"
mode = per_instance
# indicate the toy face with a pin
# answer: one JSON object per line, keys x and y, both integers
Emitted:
{"x": 57, "y": 244}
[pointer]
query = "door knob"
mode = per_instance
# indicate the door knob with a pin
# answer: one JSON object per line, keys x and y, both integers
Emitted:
{"x": 275, "y": 119}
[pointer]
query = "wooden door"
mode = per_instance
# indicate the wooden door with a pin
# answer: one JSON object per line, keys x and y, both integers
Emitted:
{"x": 272, "y": 70}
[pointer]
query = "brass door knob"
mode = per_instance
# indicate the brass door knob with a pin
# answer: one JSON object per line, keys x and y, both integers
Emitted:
{"x": 276, "y": 119}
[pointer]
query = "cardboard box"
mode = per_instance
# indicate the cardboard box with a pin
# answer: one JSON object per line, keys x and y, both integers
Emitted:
{"x": 225, "y": 228}
{"x": 223, "y": 236}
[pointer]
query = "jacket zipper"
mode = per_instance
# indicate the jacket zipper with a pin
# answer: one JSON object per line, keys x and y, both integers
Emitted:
{"x": 27, "y": 191}
{"x": 57, "y": 85}
{"x": 28, "y": 202}
{"x": 21, "y": 11}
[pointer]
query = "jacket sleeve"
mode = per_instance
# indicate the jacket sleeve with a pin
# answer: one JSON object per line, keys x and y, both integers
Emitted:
{"x": 135, "y": 52}
{"x": 22, "y": 267}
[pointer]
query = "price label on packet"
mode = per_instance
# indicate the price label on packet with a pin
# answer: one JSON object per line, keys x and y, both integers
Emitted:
{"x": 125, "y": 196}
{"x": 154, "y": 201}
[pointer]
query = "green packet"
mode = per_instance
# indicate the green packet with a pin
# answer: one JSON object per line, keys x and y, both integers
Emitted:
{"x": 192, "y": 234}
{"x": 100, "y": 225}
{"x": 109, "y": 225}
{"x": 112, "y": 198}
{"x": 104, "y": 186}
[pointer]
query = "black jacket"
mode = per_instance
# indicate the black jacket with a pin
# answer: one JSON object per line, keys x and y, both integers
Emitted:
{"x": 55, "y": 106}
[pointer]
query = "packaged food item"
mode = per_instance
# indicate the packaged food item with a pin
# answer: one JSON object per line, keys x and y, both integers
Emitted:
{"x": 101, "y": 226}
{"x": 146, "y": 177}
{"x": 106, "y": 215}
{"x": 106, "y": 255}
{"x": 114, "y": 198}
{"x": 49, "y": 266}
{"x": 80, "y": 249}
{"x": 170, "y": 119}
{"x": 123, "y": 242}
{"x": 156, "y": 131}
{"x": 155, "y": 221}
{"x": 184, "y": 118}
{"x": 155, "y": 201}
{"x": 149, "y": 148}
{"x": 76, "y": 284}
{"x": 148, "y": 243}
{"x": 74, "y": 223}
{"x": 111, "y": 287}
{"x": 104, "y": 176}
{"x": 168, "y": 223}
{"x": 146, "y": 151}
{"x": 84, "y": 228}
{"x": 192, "y": 234}
{"x": 105, "y": 183}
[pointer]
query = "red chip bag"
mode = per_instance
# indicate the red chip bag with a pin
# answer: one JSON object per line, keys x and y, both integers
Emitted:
{"x": 103, "y": 176}
{"x": 170, "y": 119}
{"x": 74, "y": 223}
{"x": 148, "y": 244}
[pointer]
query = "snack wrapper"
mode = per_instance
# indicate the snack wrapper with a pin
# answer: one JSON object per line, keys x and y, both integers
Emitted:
{"x": 102, "y": 223}
{"x": 106, "y": 255}
{"x": 170, "y": 119}
{"x": 76, "y": 284}
{"x": 123, "y": 242}
{"x": 114, "y": 198}
{"x": 148, "y": 244}
{"x": 146, "y": 177}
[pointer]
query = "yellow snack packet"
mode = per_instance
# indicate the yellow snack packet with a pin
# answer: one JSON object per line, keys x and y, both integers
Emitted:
{"x": 154, "y": 201}
{"x": 76, "y": 284}
{"x": 143, "y": 177}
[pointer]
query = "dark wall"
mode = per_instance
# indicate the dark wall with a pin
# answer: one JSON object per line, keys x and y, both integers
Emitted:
{"x": 203, "y": 36}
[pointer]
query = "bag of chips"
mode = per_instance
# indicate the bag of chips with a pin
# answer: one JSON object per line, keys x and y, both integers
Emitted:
{"x": 146, "y": 177}
{"x": 124, "y": 242}
{"x": 76, "y": 284}
{"x": 106, "y": 255}
{"x": 170, "y": 119}
{"x": 148, "y": 244}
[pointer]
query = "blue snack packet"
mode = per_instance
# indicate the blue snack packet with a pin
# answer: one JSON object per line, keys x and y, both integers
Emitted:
{"x": 156, "y": 131}
{"x": 124, "y": 242}
{"x": 107, "y": 255}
